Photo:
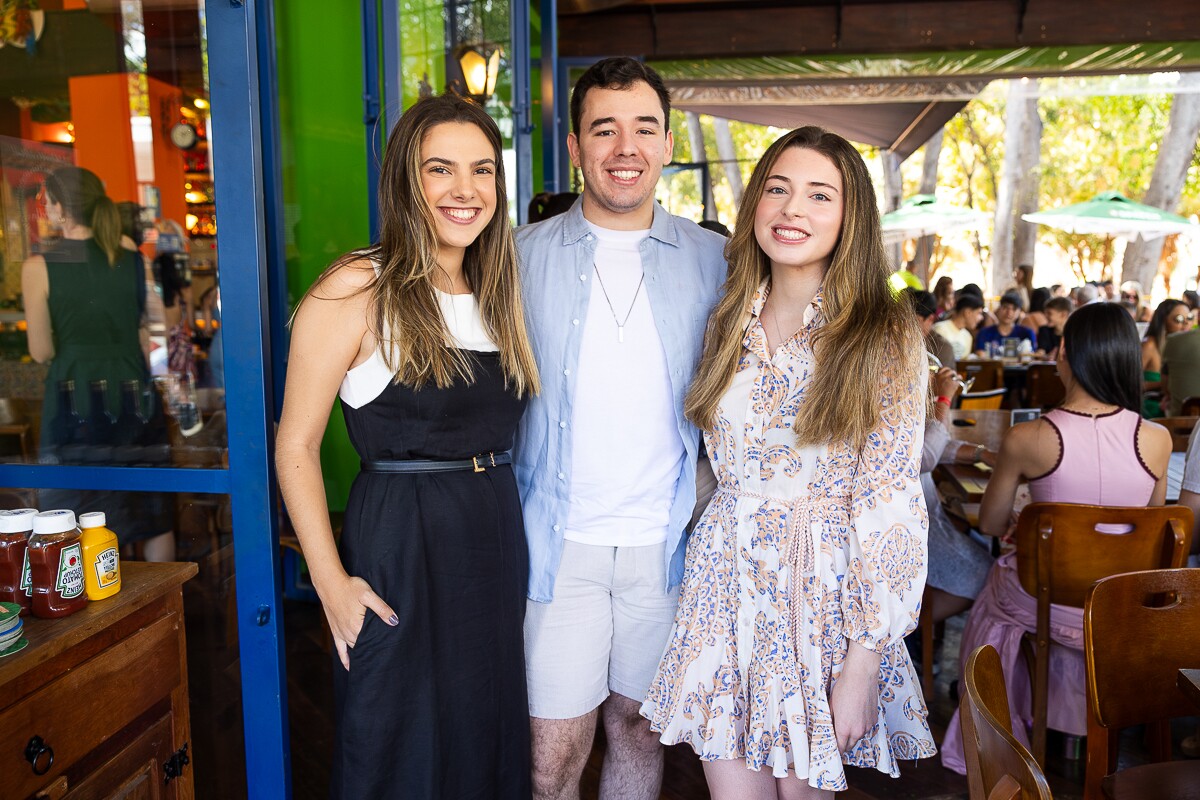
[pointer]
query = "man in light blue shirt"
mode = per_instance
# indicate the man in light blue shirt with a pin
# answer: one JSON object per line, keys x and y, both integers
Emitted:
{"x": 604, "y": 457}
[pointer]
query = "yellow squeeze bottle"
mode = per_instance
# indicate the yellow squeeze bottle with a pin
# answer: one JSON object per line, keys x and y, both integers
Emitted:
{"x": 101, "y": 558}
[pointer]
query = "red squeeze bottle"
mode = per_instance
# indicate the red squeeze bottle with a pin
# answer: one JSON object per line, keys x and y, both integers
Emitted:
{"x": 56, "y": 565}
{"x": 15, "y": 529}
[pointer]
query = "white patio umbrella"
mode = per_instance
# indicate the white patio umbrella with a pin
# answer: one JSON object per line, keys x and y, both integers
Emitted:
{"x": 1114, "y": 214}
{"x": 925, "y": 215}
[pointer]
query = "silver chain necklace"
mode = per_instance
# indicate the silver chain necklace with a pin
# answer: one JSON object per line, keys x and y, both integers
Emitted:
{"x": 613, "y": 311}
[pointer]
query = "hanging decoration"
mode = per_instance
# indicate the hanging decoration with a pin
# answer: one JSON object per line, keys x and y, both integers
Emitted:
{"x": 21, "y": 24}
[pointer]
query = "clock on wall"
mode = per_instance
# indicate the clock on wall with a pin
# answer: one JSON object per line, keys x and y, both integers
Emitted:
{"x": 184, "y": 136}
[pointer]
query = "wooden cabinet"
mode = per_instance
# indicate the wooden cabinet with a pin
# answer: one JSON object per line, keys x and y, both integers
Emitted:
{"x": 106, "y": 690}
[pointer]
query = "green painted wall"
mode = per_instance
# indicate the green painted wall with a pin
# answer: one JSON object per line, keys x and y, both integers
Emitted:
{"x": 324, "y": 169}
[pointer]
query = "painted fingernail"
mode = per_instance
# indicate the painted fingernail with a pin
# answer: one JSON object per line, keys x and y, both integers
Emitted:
{"x": 393, "y": 620}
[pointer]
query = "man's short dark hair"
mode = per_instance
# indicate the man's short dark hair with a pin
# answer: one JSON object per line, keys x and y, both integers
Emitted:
{"x": 1012, "y": 299}
{"x": 1058, "y": 304}
{"x": 971, "y": 289}
{"x": 620, "y": 72}
{"x": 923, "y": 302}
{"x": 967, "y": 302}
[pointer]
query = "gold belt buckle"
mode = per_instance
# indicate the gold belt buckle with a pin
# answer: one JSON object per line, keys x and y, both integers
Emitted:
{"x": 477, "y": 467}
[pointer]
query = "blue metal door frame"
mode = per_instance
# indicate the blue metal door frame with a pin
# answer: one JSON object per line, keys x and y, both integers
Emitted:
{"x": 238, "y": 161}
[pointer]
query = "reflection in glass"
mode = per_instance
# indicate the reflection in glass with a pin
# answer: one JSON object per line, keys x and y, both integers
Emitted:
{"x": 108, "y": 266}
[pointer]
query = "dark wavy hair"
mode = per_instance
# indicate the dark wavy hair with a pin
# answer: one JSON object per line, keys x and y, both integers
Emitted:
{"x": 618, "y": 72}
{"x": 1101, "y": 344}
{"x": 1157, "y": 330}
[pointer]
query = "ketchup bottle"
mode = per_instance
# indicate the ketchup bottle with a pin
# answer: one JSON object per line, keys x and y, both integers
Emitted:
{"x": 15, "y": 528}
{"x": 56, "y": 565}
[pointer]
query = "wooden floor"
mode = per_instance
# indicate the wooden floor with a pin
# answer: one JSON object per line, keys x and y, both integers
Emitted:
{"x": 310, "y": 701}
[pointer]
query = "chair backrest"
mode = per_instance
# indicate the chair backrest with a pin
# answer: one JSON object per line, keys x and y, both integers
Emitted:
{"x": 1190, "y": 407}
{"x": 998, "y": 766}
{"x": 988, "y": 374}
{"x": 985, "y": 426}
{"x": 1043, "y": 387}
{"x": 988, "y": 400}
{"x": 1181, "y": 430}
{"x": 1060, "y": 552}
{"x": 1132, "y": 684}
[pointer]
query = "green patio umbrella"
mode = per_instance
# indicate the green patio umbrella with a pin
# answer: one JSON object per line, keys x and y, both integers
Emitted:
{"x": 1114, "y": 214}
{"x": 924, "y": 215}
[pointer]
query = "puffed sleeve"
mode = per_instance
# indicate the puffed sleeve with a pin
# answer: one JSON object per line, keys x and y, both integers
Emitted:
{"x": 888, "y": 558}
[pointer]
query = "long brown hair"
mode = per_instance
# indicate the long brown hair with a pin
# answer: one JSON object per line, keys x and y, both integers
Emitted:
{"x": 405, "y": 315}
{"x": 868, "y": 338}
{"x": 82, "y": 196}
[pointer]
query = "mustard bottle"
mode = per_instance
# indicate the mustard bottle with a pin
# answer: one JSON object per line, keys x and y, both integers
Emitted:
{"x": 101, "y": 558}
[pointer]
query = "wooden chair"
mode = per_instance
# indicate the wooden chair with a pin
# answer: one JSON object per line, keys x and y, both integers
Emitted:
{"x": 988, "y": 374}
{"x": 1181, "y": 430}
{"x": 990, "y": 399}
{"x": 1043, "y": 387}
{"x": 1190, "y": 407}
{"x": 1060, "y": 554}
{"x": 998, "y": 766}
{"x": 1135, "y": 684}
{"x": 15, "y": 423}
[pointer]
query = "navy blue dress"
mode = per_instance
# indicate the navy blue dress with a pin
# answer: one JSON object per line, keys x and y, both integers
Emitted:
{"x": 436, "y": 706}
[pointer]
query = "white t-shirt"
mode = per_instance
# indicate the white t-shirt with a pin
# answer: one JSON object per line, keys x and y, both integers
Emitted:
{"x": 960, "y": 339}
{"x": 626, "y": 450}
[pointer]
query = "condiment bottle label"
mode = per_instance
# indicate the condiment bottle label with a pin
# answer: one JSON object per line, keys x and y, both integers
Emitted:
{"x": 70, "y": 571}
{"x": 27, "y": 576}
{"x": 106, "y": 567}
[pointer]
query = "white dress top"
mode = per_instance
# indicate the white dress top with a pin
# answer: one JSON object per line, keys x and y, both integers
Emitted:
{"x": 367, "y": 381}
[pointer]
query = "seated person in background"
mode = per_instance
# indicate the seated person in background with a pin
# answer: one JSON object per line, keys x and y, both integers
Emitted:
{"x": 1036, "y": 316}
{"x": 990, "y": 340}
{"x": 1131, "y": 292}
{"x": 1096, "y": 449}
{"x": 958, "y": 564}
{"x": 1049, "y": 335}
{"x": 1086, "y": 295}
{"x": 925, "y": 307}
{"x": 1181, "y": 369}
{"x": 959, "y": 329}
{"x": 1192, "y": 298}
{"x": 1170, "y": 317}
{"x": 986, "y": 318}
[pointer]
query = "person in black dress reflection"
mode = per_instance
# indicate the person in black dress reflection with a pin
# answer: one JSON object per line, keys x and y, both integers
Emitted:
{"x": 422, "y": 337}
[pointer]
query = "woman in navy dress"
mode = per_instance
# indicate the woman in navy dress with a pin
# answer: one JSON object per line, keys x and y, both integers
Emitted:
{"x": 422, "y": 338}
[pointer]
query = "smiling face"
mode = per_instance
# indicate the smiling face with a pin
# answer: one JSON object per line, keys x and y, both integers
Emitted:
{"x": 621, "y": 147}
{"x": 458, "y": 179}
{"x": 798, "y": 219}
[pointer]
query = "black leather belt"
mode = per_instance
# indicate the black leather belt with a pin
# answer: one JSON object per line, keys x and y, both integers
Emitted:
{"x": 479, "y": 463}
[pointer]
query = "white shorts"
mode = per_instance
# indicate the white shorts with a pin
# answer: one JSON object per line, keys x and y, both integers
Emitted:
{"x": 605, "y": 630}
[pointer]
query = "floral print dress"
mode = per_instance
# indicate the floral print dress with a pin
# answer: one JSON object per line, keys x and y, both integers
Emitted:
{"x": 800, "y": 551}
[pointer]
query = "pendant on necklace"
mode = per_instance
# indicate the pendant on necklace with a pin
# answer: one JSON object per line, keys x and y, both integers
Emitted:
{"x": 620, "y": 333}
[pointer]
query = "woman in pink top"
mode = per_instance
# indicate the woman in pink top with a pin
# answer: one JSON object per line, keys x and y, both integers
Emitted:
{"x": 1094, "y": 449}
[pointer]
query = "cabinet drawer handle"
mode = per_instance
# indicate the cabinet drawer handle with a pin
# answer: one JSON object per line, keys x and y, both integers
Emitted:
{"x": 34, "y": 752}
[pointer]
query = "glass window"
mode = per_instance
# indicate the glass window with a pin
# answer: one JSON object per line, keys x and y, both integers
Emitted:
{"x": 110, "y": 309}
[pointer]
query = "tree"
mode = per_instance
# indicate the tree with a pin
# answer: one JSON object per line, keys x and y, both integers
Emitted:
{"x": 1175, "y": 156}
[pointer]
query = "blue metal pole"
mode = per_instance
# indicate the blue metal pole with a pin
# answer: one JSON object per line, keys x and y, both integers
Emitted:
{"x": 123, "y": 479}
{"x": 238, "y": 161}
{"x": 521, "y": 107}
{"x": 393, "y": 94}
{"x": 371, "y": 94}
{"x": 552, "y": 104}
{"x": 278, "y": 306}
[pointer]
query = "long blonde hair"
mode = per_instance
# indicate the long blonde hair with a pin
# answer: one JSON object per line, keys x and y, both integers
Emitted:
{"x": 868, "y": 337}
{"x": 406, "y": 317}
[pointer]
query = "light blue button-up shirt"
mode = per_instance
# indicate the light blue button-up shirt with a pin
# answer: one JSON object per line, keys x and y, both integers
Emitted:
{"x": 684, "y": 269}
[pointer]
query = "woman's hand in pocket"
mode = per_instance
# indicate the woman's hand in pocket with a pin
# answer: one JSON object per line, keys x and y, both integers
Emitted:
{"x": 346, "y": 605}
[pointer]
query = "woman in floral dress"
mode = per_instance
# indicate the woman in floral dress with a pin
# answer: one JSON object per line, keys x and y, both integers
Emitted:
{"x": 806, "y": 571}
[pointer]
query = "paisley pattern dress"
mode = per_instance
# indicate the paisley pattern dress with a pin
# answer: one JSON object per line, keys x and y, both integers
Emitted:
{"x": 800, "y": 551}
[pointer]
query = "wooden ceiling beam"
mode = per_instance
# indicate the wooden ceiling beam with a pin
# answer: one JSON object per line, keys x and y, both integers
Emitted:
{"x": 698, "y": 30}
